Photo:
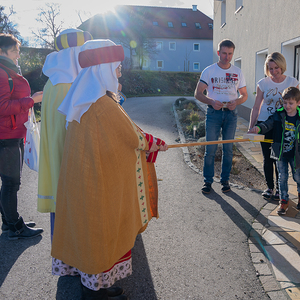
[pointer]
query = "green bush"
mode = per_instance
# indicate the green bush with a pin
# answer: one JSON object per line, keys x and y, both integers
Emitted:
{"x": 137, "y": 83}
{"x": 185, "y": 116}
{"x": 194, "y": 117}
{"x": 201, "y": 129}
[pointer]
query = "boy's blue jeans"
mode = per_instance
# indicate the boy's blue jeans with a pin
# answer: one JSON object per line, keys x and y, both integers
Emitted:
{"x": 283, "y": 176}
{"x": 218, "y": 121}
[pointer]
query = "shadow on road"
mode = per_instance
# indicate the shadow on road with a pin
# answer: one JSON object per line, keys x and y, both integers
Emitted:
{"x": 10, "y": 252}
{"x": 245, "y": 227}
{"x": 137, "y": 286}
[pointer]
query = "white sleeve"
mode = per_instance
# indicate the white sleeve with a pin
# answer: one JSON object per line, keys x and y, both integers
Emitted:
{"x": 242, "y": 81}
{"x": 205, "y": 76}
{"x": 260, "y": 84}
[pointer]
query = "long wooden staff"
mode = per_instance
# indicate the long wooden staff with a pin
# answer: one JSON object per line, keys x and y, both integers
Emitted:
{"x": 207, "y": 143}
{"x": 247, "y": 137}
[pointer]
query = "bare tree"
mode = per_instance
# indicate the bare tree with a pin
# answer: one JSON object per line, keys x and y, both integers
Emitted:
{"x": 6, "y": 25}
{"x": 51, "y": 25}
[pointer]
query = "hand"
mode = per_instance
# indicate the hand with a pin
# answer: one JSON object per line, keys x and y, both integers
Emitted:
{"x": 254, "y": 129}
{"x": 163, "y": 147}
{"x": 217, "y": 105}
{"x": 37, "y": 97}
{"x": 153, "y": 148}
{"x": 231, "y": 105}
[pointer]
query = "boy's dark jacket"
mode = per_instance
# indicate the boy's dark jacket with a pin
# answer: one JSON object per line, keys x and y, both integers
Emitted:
{"x": 277, "y": 123}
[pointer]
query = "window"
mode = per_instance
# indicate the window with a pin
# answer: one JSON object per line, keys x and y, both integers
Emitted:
{"x": 170, "y": 24}
{"x": 160, "y": 64}
{"x": 210, "y": 25}
{"x": 259, "y": 64}
{"x": 297, "y": 62}
{"x": 145, "y": 63}
{"x": 238, "y": 62}
{"x": 172, "y": 46}
{"x": 183, "y": 24}
{"x": 196, "y": 66}
{"x": 159, "y": 45}
{"x": 198, "y": 25}
{"x": 197, "y": 47}
{"x": 223, "y": 13}
{"x": 238, "y": 4}
{"x": 290, "y": 50}
{"x": 155, "y": 23}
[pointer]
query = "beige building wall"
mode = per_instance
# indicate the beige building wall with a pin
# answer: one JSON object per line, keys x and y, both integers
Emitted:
{"x": 260, "y": 27}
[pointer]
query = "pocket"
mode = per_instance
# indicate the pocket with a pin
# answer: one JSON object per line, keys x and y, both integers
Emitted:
{"x": 210, "y": 110}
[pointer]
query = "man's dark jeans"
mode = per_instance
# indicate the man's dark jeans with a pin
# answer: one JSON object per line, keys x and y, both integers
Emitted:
{"x": 11, "y": 162}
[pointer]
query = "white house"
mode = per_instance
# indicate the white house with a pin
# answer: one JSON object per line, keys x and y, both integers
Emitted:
{"x": 174, "y": 39}
{"x": 257, "y": 28}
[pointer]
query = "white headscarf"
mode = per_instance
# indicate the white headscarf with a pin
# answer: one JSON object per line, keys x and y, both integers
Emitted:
{"x": 91, "y": 84}
{"x": 63, "y": 66}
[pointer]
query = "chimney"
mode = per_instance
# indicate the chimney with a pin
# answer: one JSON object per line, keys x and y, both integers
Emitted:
{"x": 194, "y": 7}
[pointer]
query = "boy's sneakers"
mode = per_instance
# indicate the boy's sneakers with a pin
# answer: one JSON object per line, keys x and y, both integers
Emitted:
{"x": 206, "y": 189}
{"x": 284, "y": 206}
{"x": 267, "y": 194}
{"x": 276, "y": 196}
{"x": 225, "y": 187}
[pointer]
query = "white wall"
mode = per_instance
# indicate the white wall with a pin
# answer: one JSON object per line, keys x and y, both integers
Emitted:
{"x": 261, "y": 27}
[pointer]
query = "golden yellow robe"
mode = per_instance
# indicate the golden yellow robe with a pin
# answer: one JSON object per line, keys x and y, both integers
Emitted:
{"x": 103, "y": 197}
{"x": 53, "y": 134}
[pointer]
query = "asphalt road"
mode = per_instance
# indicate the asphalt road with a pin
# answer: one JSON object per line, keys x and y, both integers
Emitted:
{"x": 197, "y": 249}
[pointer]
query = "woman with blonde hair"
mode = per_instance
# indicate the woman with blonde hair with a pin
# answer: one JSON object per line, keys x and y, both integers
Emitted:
{"x": 268, "y": 100}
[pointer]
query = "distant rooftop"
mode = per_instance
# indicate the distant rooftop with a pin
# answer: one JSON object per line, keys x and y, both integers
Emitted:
{"x": 155, "y": 22}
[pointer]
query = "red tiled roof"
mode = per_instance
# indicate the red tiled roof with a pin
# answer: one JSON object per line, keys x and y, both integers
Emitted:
{"x": 130, "y": 19}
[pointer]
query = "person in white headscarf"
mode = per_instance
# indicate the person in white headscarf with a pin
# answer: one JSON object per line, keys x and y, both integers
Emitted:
{"x": 107, "y": 189}
{"x": 61, "y": 67}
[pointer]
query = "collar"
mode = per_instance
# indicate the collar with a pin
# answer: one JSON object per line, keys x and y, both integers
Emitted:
{"x": 281, "y": 109}
{"x": 9, "y": 64}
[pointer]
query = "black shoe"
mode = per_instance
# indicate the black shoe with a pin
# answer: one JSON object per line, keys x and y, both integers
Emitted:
{"x": 120, "y": 297}
{"x": 114, "y": 291}
{"x": 5, "y": 226}
{"x": 267, "y": 194}
{"x": 206, "y": 189}
{"x": 20, "y": 231}
{"x": 276, "y": 196}
{"x": 88, "y": 294}
{"x": 298, "y": 206}
{"x": 225, "y": 187}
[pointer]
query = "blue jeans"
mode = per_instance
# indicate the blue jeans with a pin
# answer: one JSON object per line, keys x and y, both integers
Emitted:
{"x": 283, "y": 176}
{"x": 218, "y": 121}
{"x": 11, "y": 161}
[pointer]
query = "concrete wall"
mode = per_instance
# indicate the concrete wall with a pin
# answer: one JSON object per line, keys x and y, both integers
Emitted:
{"x": 259, "y": 28}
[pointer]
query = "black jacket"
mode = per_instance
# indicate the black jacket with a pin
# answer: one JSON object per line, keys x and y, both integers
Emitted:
{"x": 277, "y": 123}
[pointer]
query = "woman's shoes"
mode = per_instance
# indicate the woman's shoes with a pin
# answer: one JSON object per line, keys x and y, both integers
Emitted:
{"x": 267, "y": 194}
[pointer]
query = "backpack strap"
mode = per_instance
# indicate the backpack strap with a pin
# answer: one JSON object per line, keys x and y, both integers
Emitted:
{"x": 11, "y": 86}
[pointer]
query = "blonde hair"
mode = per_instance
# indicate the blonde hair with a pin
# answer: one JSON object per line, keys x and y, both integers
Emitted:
{"x": 278, "y": 59}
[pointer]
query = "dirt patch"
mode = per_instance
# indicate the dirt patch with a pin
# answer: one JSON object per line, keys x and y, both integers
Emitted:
{"x": 243, "y": 173}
